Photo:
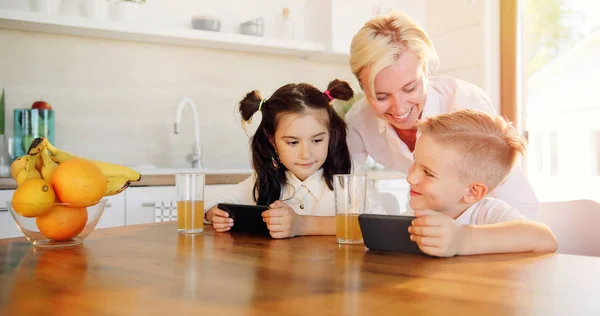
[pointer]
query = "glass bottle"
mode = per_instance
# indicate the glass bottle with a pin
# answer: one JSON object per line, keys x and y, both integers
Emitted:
{"x": 286, "y": 27}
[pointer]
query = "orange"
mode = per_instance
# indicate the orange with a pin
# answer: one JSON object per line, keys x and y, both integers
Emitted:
{"x": 62, "y": 222}
{"x": 79, "y": 181}
{"x": 33, "y": 198}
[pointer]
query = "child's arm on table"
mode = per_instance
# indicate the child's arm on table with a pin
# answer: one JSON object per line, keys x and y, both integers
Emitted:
{"x": 283, "y": 222}
{"x": 513, "y": 236}
{"x": 219, "y": 219}
{"x": 439, "y": 235}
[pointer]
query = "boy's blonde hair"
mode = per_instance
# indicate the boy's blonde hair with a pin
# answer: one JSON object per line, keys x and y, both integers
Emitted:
{"x": 489, "y": 146}
{"x": 383, "y": 39}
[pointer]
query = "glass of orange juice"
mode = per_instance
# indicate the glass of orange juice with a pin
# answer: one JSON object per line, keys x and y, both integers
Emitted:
{"x": 190, "y": 202}
{"x": 350, "y": 192}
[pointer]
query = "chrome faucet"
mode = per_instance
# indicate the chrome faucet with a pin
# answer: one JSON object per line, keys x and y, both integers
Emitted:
{"x": 196, "y": 155}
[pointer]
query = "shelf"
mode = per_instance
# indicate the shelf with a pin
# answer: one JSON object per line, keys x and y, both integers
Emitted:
{"x": 57, "y": 24}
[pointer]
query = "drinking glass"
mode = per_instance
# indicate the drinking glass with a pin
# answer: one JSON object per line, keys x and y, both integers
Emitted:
{"x": 190, "y": 202}
{"x": 350, "y": 192}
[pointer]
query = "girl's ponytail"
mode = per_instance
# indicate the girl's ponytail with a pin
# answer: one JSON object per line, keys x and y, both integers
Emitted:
{"x": 339, "y": 89}
{"x": 250, "y": 104}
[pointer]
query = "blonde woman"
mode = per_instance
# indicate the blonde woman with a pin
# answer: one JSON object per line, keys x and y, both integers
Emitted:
{"x": 391, "y": 56}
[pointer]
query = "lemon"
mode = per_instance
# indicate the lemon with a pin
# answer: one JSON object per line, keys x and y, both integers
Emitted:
{"x": 33, "y": 198}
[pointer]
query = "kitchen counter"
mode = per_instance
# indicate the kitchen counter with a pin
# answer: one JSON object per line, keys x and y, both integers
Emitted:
{"x": 152, "y": 270}
{"x": 156, "y": 180}
{"x": 229, "y": 177}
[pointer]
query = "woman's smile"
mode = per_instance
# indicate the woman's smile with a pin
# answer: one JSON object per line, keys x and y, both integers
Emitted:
{"x": 404, "y": 117}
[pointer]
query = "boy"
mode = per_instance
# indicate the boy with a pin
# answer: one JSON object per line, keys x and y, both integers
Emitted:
{"x": 459, "y": 158}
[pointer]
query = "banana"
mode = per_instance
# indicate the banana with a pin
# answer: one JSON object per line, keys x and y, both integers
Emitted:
{"x": 58, "y": 155}
{"x": 116, "y": 185}
{"x": 48, "y": 166}
{"x": 118, "y": 178}
{"x": 37, "y": 145}
{"x": 113, "y": 170}
{"x": 38, "y": 165}
{"x": 29, "y": 172}
{"x": 18, "y": 165}
{"x": 108, "y": 169}
{"x": 33, "y": 154}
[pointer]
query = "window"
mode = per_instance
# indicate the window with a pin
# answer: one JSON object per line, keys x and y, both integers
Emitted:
{"x": 560, "y": 111}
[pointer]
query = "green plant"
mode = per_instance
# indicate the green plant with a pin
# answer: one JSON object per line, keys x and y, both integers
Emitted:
{"x": 346, "y": 105}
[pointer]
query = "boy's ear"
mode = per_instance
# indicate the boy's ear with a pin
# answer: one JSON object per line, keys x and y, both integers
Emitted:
{"x": 477, "y": 191}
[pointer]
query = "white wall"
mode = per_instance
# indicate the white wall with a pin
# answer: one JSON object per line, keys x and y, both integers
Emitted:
{"x": 466, "y": 35}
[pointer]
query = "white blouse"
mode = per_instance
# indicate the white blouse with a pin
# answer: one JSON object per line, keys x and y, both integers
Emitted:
{"x": 308, "y": 197}
{"x": 370, "y": 135}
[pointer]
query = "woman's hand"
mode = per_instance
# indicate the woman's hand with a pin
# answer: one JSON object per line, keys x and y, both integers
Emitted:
{"x": 219, "y": 219}
{"x": 282, "y": 221}
{"x": 436, "y": 234}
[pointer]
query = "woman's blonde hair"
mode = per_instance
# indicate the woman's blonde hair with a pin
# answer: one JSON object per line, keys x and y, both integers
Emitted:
{"x": 383, "y": 39}
{"x": 489, "y": 146}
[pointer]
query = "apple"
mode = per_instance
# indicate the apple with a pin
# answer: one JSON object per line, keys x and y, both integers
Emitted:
{"x": 41, "y": 105}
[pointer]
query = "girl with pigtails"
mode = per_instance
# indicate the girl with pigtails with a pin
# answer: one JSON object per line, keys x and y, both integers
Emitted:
{"x": 298, "y": 146}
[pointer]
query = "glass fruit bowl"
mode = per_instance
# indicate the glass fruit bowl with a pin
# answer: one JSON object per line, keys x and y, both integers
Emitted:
{"x": 65, "y": 224}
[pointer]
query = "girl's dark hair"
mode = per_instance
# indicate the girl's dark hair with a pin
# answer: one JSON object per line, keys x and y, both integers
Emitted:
{"x": 294, "y": 98}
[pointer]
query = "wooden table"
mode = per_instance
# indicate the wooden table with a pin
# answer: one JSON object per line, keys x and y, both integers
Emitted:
{"x": 153, "y": 270}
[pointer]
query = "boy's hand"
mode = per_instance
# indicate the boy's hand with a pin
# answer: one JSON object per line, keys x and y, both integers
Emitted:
{"x": 219, "y": 219}
{"x": 281, "y": 220}
{"x": 436, "y": 234}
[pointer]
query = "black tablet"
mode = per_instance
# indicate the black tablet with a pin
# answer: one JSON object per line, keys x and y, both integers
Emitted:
{"x": 246, "y": 218}
{"x": 387, "y": 232}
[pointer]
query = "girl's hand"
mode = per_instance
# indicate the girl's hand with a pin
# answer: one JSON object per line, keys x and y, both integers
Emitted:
{"x": 219, "y": 219}
{"x": 282, "y": 221}
{"x": 436, "y": 234}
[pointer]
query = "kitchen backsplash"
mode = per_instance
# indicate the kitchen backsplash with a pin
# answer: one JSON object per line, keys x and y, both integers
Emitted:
{"x": 116, "y": 100}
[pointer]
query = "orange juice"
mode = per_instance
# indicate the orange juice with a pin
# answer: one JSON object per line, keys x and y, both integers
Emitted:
{"x": 190, "y": 216}
{"x": 347, "y": 229}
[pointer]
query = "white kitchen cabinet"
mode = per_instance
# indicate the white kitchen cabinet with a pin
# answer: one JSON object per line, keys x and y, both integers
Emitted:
{"x": 114, "y": 213}
{"x": 156, "y": 204}
{"x": 141, "y": 202}
{"x": 8, "y": 228}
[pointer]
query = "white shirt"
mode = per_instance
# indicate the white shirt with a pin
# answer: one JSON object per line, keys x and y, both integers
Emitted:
{"x": 370, "y": 135}
{"x": 489, "y": 211}
{"x": 309, "y": 197}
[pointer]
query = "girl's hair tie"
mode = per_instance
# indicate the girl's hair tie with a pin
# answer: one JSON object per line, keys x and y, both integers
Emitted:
{"x": 326, "y": 92}
{"x": 261, "y": 103}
